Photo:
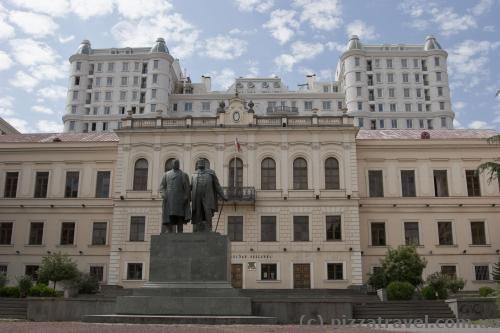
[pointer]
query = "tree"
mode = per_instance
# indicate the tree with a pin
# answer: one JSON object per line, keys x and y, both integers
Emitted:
{"x": 403, "y": 264}
{"x": 57, "y": 267}
{"x": 496, "y": 272}
{"x": 492, "y": 168}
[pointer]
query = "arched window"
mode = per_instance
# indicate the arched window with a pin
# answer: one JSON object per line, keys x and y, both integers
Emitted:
{"x": 238, "y": 180}
{"x": 141, "y": 175}
{"x": 300, "y": 174}
{"x": 207, "y": 162}
{"x": 268, "y": 174}
{"x": 169, "y": 164}
{"x": 332, "y": 178}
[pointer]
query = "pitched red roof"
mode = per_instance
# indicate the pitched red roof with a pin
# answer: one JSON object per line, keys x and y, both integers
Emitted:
{"x": 415, "y": 134}
{"x": 54, "y": 137}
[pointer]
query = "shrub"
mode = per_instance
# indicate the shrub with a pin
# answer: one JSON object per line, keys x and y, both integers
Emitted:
{"x": 10, "y": 292}
{"x": 403, "y": 264}
{"x": 24, "y": 283}
{"x": 486, "y": 291}
{"x": 86, "y": 283}
{"x": 57, "y": 267}
{"x": 378, "y": 279}
{"x": 399, "y": 291}
{"x": 456, "y": 284}
{"x": 428, "y": 292}
{"x": 42, "y": 290}
{"x": 3, "y": 280}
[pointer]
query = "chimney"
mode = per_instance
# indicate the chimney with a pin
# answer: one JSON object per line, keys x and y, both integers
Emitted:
{"x": 311, "y": 79}
{"x": 207, "y": 82}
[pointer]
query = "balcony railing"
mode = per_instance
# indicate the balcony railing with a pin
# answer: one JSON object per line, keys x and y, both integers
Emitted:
{"x": 282, "y": 109}
{"x": 243, "y": 194}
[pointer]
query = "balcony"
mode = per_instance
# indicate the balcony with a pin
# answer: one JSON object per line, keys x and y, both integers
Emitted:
{"x": 426, "y": 83}
{"x": 245, "y": 194}
{"x": 281, "y": 109}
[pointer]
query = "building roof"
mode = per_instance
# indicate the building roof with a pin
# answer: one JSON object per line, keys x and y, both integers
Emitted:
{"x": 6, "y": 128}
{"x": 55, "y": 137}
{"x": 415, "y": 134}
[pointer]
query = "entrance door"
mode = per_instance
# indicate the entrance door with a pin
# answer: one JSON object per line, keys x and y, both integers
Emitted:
{"x": 237, "y": 275}
{"x": 301, "y": 276}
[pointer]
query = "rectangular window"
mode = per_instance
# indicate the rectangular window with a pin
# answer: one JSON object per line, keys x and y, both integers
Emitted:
{"x": 417, "y": 78}
{"x": 388, "y": 63}
{"x": 308, "y": 105}
{"x": 358, "y": 91}
{"x": 361, "y": 122}
{"x": 335, "y": 271}
{"x": 392, "y": 107}
{"x": 472, "y": 179}
{"x": 6, "y": 233}
{"x": 124, "y": 81}
{"x": 326, "y": 89}
{"x": 188, "y": 107}
{"x": 153, "y": 93}
{"x": 268, "y": 229}
{"x": 137, "y": 226}
{"x": 445, "y": 233}
{"x": 109, "y": 81}
{"x": 107, "y": 96}
{"x": 356, "y": 61}
{"x": 111, "y": 66}
{"x": 268, "y": 272}
{"x": 405, "y": 78}
{"x": 102, "y": 184}
{"x": 156, "y": 64}
{"x": 360, "y": 106}
{"x": 419, "y": 107}
{"x": 78, "y": 66}
{"x": 301, "y": 228}
{"x": 379, "y": 92}
{"x": 376, "y": 183}
{"x": 97, "y": 272}
{"x": 124, "y": 66}
{"x": 136, "y": 66}
{"x": 482, "y": 272}
{"x": 415, "y": 63}
{"x": 419, "y": 92}
{"x": 390, "y": 78}
{"x": 77, "y": 80}
{"x": 404, "y": 63}
{"x": 235, "y": 228}
{"x": 409, "y": 123}
{"x": 36, "y": 233}
{"x": 377, "y": 63}
{"x": 378, "y": 233}
{"x": 134, "y": 271}
{"x": 378, "y": 77}
{"x": 407, "y": 107}
{"x": 32, "y": 271}
{"x": 136, "y": 80}
{"x": 327, "y": 105}
{"x": 339, "y": 105}
{"x": 411, "y": 233}
{"x": 75, "y": 95}
{"x": 107, "y": 110}
{"x": 99, "y": 67}
{"x": 10, "y": 189}
{"x": 394, "y": 123}
{"x": 381, "y": 123}
{"x": 67, "y": 233}
{"x": 205, "y": 106}
{"x": 450, "y": 270}
{"x": 478, "y": 233}
{"x": 436, "y": 61}
{"x": 123, "y": 95}
{"x": 440, "y": 91}
{"x": 104, "y": 126}
{"x": 358, "y": 76}
{"x": 333, "y": 228}
{"x": 3, "y": 269}
{"x": 440, "y": 183}
{"x": 408, "y": 183}
{"x": 71, "y": 187}
{"x": 41, "y": 184}
{"x": 153, "y": 107}
{"x": 391, "y": 92}
{"x": 421, "y": 123}
{"x": 406, "y": 92}
{"x": 99, "y": 233}
{"x": 441, "y": 105}
{"x": 438, "y": 76}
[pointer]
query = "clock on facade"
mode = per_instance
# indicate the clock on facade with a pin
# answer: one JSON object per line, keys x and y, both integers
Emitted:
{"x": 236, "y": 116}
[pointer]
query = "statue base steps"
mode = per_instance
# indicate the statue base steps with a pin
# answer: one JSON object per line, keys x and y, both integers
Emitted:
{"x": 169, "y": 320}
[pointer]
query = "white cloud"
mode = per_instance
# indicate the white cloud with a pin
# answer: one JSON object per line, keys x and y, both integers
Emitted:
{"x": 336, "y": 46}
{"x": 42, "y": 109}
{"x": 225, "y": 48}
{"x": 459, "y": 105}
{"x": 260, "y": 6}
{"x": 470, "y": 58}
{"x": 52, "y": 92}
{"x": 86, "y": 9}
{"x": 48, "y": 126}
{"x": 134, "y": 9}
{"x": 5, "y": 61}
{"x": 222, "y": 79}
{"x": 360, "y": 28}
{"x": 6, "y": 30}
{"x": 64, "y": 40}
{"x": 478, "y": 124}
{"x": 6, "y": 106}
{"x": 299, "y": 51}
{"x": 482, "y": 7}
{"x": 37, "y": 25}
{"x": 49, "y": 7}
{"x": 320, "y": 14}
{"x": 489, "y": 28}
{"x": 50, "y": 72}
{"x": 282, "y": 24}
{"x": 237, "y": 31}
{"x": 19, "y": 124}
{"x": 253, "y": 68}
{"x": 450, "y": 22}
{"x": 29, "y": 52}
{"x": 24, "y": 80}
{"x": 180, "y": 35}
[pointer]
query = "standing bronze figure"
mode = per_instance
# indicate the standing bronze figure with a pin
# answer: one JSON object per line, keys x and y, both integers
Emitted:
{"x": 175, "y": 191}
{"x": 205, "y": 189}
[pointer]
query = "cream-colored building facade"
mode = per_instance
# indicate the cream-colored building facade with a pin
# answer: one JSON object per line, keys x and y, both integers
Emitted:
{"x": 322, "y": 219}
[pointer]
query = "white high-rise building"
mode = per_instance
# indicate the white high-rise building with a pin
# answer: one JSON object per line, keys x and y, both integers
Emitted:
{"x": 382, "y": 86}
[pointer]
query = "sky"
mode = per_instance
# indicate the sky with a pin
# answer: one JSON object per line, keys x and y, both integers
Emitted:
{"x": 226, "y": 39}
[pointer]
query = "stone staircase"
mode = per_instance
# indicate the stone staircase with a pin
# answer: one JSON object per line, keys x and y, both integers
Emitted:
{"x": 13, "y": 308}
{"x": 338, "y": 295}
{"x": 399, "y": 310}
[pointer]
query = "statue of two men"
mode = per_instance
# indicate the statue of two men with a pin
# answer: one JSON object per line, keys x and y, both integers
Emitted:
{"x": 177, "y": 194}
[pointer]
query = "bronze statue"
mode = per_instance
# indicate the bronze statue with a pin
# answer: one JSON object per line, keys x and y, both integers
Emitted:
{"x": 175, "y": 191}
{"x": 205, "y": 189}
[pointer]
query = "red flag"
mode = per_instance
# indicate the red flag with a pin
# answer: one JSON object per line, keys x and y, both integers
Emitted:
{"x": 237, "y": 145}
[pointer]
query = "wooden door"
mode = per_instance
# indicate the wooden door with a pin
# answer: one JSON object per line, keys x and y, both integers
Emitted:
{"x": 301, "y": 276}
{"x": 237, "y": 275}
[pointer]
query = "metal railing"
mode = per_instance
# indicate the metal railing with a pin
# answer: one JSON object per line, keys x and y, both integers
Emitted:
{"x": 282, "y": 109}
{"x": 238, "y": 193}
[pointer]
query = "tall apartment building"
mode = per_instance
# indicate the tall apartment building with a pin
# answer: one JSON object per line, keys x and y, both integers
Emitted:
{"x": 397, "y": 85}
{"x": 384, "y": 86}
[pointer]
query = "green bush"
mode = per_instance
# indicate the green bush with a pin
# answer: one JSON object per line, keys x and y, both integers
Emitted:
{"x": 24, "y": 283}
{"x": 378, "y": 279}
{"x": 3, "y": 280}
{"x": 439, "y": 282}
{"x": 86, "y": 283}
{"x": 42, "y": 290}
{"x": 486, "y": 291}
{"x": 456, "y": 284}
{"x": 10, "y": 292}
{"x": 57, "y": 267}
{"x": 428, "y": 292}
{"x": 399, "y": 291}
{"x": 403, "y": 264}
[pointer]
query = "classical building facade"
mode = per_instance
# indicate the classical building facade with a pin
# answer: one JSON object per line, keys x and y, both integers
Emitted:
{"x": 383, "y": 86}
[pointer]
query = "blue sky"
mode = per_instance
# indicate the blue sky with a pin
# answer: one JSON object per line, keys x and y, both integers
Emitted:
{"x": 231, "y": 38}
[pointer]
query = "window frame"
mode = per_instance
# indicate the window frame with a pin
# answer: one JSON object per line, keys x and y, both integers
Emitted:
{"x": 138, "y": 236}
{"x": 298, "y": 179}
{"x": 71, "y": 234}
{"x": 334, "y": 182}
{"x": 240, "y": 223}
{"x": 261, "y": 231}
{"x": 371, "y": 234}
{"x": 294, "y": 232}
{"x": 139, "y": 184}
